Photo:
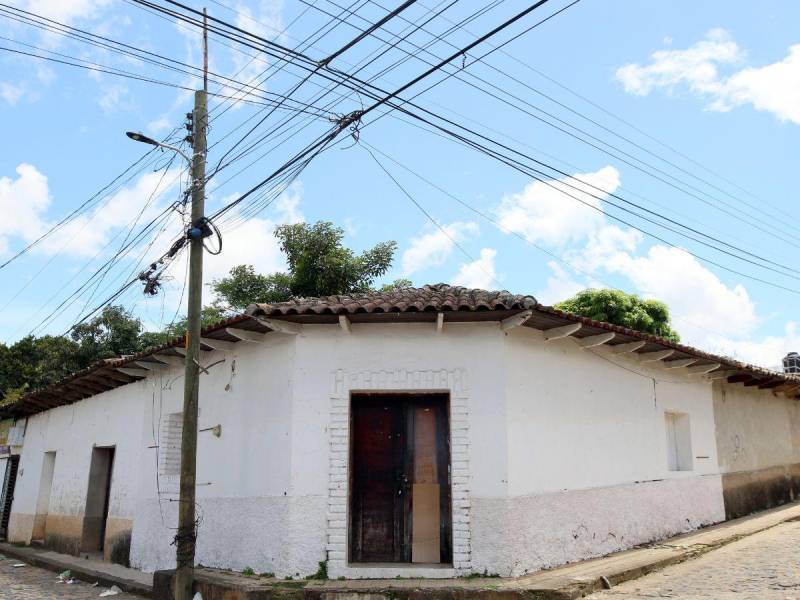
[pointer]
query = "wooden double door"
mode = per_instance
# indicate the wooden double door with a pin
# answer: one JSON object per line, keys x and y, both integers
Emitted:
{"x": 400, "y": 502}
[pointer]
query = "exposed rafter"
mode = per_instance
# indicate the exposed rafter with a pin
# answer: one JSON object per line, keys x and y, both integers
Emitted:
{"x": 132, "y": 371}
{"x": 344, "y": 323}
{"x": 595, "y": 340}
{"x": 556, "y": 333}
{"x": 679, "y": 363}
{"x": 244, "y": 335}
{"x": 654, "y": 356}
{"x": 513, "y": 321}
{"x": 222, "y": 345}
{"x": 703, "y": 369}
{"x": 629, "y": 347}
{"x": 281, "y": 326}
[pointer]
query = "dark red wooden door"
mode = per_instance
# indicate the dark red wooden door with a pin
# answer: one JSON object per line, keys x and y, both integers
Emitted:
{"x": 377, "y": 498}
{"x": 400, "y": 455}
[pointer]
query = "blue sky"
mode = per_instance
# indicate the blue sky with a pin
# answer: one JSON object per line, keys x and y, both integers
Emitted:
{"x": 700, "y": 101}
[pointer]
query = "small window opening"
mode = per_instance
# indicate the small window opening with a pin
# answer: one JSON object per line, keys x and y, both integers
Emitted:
{"x": 679, "y": 441}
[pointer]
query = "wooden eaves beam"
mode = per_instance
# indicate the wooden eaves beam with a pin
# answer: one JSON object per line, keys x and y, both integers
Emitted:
{"x": 703, "y": 369}
{"x": 556, "y": 333}
{"x": 281, "y": 326}
{"x": 629, "y": 347}
{"x": 740, "y": 378}
{"x": 243, "y": 335}
{"x": 770, "y": 384}
{"x": 679, "y": 363}
{"x": 590, "y": 341}
{"x": 654, "y": 356}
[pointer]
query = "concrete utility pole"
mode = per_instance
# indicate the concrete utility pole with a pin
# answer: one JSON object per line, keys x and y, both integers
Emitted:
{"x": 187, "y": 530}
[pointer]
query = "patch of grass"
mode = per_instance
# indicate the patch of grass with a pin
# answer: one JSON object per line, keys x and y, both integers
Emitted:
{"x": 322, "y": 572}
{"x": 248, "y": 571}
{"x": 268, "y": 574}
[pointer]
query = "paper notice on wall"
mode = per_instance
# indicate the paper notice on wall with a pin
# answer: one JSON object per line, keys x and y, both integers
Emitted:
{"x": 425, "y": 523}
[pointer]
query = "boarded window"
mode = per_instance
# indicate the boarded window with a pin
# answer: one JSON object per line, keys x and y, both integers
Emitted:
{"x": 169, "y": 446}
{"x": 679, "y": 441}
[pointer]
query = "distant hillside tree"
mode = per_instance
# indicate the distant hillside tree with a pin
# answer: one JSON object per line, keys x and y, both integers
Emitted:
{"x": 627, "y": 310}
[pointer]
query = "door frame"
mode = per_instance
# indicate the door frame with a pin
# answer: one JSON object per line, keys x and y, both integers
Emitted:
{"x": 343, "y": 383}
{"x": 404, "y": 521}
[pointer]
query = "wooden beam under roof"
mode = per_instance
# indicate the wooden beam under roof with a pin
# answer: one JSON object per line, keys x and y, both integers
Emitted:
{"x": 770, "y": 384}
{"x": 281, "y": 326}
{"x": 591, "y": 341}
{"x": 628, "y": 347}
{"x": 244, "y": 335}
{"x": 556, "y": 333}
{"x": 654, "y": 356}
{"x": 703, "y": 369}
{"x": 514, "y": 321}
{"x": 133, "y": 372}
{"x": 757, "y": 381}
{"x": 344, "y": 323}
{"x": 740, "y": 378}
{"x": 679, "y": 363}
{"x": 214, "y": 344}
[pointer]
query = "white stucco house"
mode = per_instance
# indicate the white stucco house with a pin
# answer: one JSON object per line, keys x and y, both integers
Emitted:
{"x": 433, "y": 431}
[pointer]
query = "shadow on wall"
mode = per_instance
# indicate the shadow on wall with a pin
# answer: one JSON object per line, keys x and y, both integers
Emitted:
{"x": 747, "y": 492}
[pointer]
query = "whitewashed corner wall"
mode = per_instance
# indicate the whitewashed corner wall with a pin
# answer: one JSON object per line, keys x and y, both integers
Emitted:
{"x": 588, "y": 470}
{"x": 557, "y": 454}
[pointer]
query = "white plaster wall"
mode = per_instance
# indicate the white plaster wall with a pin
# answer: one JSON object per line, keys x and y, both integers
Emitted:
{"x": 756, "y": 429}
{"x": 588, "y": 469}
{"x": 542, "y": 434}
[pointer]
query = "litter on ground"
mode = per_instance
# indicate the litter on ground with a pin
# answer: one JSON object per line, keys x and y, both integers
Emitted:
{"x": 112, "y": 591}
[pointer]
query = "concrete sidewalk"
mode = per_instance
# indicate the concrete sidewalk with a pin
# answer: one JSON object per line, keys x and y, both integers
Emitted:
{"x": 107, "y": 574}
{"x": 570, "y": 581}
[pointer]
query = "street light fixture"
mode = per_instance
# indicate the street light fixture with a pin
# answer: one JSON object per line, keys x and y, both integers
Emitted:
{"x": 140, "y": 137}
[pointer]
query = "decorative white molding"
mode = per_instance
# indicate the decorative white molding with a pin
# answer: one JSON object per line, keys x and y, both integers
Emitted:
{"x": 455, "y": 382}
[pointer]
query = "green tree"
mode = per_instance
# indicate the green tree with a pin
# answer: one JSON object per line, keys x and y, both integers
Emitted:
{"x": 627, "y": 310}
{"x": 244, "y": 286}
{"x": 209, "y": 316}
{"x": 318, "y": 266}
{"x": 34, "y": 362}
{"x": 114, "y": 332}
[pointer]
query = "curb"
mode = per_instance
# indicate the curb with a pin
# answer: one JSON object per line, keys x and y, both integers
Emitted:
{"x": 87, "y": 574}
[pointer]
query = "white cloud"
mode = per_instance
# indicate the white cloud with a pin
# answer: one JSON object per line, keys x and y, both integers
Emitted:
{"x": 432, "y": 249}
{"x": 774, "y": 88}
{"x": 11, "y": 93}
{"x": 708, "y": 312}
{"x": 66, "y": 11}
{"x": 479, "y": 273}
{"x": 253, "y": 243}
{"x": 23, "y": 201}
{"x": 545, "y": 214}
{"x": 695, "y": 66}
{"x": 560, "y": 286}
{"x": 288, "y": 202}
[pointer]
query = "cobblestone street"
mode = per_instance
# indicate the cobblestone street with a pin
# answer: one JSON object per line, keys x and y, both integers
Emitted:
{"x": 764, "y": 566}
{"x": 33, "y": 583}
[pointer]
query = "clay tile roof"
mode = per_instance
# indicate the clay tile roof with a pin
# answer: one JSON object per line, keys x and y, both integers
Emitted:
{"x": 430, "y": 298}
